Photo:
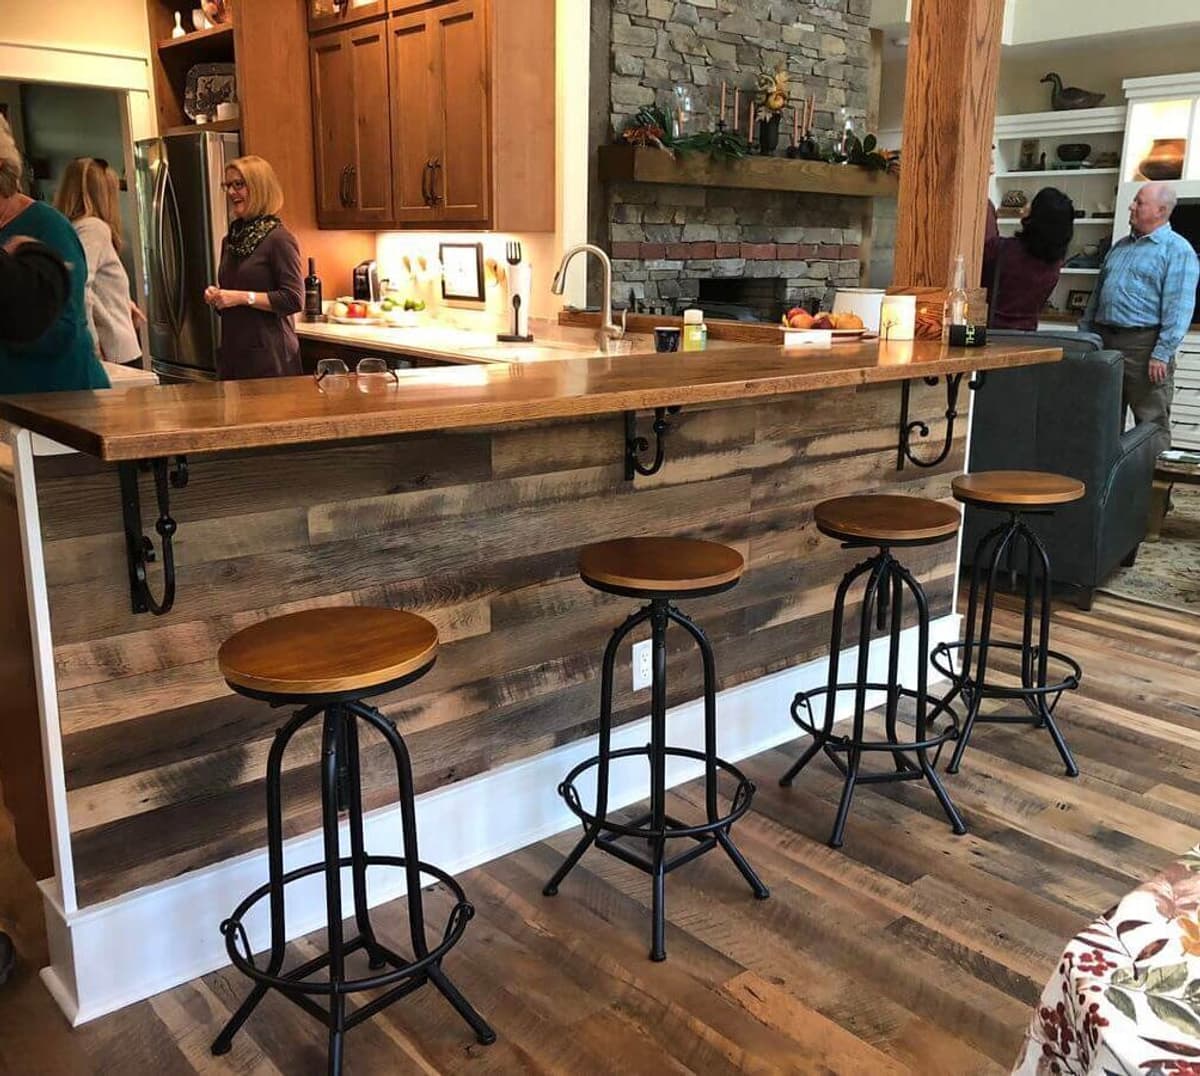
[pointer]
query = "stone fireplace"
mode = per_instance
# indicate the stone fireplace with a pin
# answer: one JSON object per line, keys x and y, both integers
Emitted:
{"x": 675, "y": 243}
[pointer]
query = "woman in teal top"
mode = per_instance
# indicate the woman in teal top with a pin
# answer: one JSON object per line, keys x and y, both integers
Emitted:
{"x": 63, "y": 357}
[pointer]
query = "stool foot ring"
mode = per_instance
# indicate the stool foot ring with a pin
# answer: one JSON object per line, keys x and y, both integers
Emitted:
{"x": 1040, "y": 699}
{"x": 605, "y": 835}
{"x": 824, "y": 740}
{"x": 404, "y": 977}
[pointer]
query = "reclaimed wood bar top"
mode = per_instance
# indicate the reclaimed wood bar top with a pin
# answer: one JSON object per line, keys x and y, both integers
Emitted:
{"x": 147, "y": 422}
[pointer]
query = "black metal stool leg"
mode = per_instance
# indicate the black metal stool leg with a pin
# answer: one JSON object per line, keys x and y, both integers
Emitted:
{"x": 1045, "y": 714}
{"x": 835, "y": 651}
{"x": 353, "y": 792}
{"x": 899, "y": 756}
{"x": 658, "y": 772}
{"x": 412, "y": 873}
{"x": 605, "y": 737}
{"x": 330, "y": 767}
{"x": 710, "y": 753}
{"x": 224, "y": 1041}
{"x": 989, "y": 602}
{"x": 837, "y": 837}
{"x": 922, "y": 718}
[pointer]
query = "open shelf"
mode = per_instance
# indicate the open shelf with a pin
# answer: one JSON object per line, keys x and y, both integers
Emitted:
{"x": 1106, "y": 221}
{"x": 631, "y": 164}
{"x": 201, "y": 39}
{"x": 217, "y": 127}
{"x": 1059, "y": 172}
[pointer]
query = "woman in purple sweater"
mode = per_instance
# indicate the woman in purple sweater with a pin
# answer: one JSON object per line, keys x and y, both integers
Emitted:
{"x": 1020, "y": 272}
{"x": 260, "y": 284}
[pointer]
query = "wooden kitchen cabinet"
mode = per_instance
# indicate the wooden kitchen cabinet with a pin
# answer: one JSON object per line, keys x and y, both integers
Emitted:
{"x": 334, "y": 14}
{"x": 351, "y": 136}
{"x": 440, "y": 114}
{"x": 449, "y": 104}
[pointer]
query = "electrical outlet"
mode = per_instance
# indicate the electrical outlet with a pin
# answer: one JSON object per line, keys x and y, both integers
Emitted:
{"x": 643, "y": 668}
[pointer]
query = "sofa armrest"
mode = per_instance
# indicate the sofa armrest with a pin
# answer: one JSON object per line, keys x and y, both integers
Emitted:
{"x": 1125, "y": 501}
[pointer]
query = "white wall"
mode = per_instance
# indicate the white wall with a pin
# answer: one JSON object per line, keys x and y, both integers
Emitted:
{"x": 1095, "y": 65}
{"x": 114, "y": 26}
{"x": 1057, "y": 20}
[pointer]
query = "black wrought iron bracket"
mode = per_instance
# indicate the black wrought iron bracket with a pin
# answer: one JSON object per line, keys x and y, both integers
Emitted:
{"x": 921, "y": 429}
{"x": 138, "y": 548}
{"x": 636, "y": 445}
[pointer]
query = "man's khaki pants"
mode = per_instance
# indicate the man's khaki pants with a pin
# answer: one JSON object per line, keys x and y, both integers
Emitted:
{"x": 1149, "y": 402}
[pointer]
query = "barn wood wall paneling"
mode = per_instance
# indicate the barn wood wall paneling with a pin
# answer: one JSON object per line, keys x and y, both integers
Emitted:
{"x": 477, "y": 530}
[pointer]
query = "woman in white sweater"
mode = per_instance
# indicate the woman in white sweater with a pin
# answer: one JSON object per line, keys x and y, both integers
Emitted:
{"x": 88, "y": 198}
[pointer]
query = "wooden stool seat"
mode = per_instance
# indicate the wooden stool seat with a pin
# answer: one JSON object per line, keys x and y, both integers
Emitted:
{"x": 1017, "y": 489}
{"x": 328, "y": 651}
{"x": 886, "y": 519}
{"x": 660, "y": 565}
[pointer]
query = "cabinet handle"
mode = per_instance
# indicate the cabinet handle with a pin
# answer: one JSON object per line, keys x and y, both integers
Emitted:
{"x": 343, "y": 195}
{"x": 353, "y": 197}
{"x": 425, "y": 195}
{"x": 436, "y": 167}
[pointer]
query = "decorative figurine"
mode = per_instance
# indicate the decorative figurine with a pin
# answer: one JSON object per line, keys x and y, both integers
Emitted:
{"x": 1070, "y": 97}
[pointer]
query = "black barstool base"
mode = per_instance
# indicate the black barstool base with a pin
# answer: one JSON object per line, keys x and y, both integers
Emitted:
{"x": 656, "y": 827}
{"x": 887, "y": 582}
{"x": 1039, "y": 693}
{"x": 398, "y": 975}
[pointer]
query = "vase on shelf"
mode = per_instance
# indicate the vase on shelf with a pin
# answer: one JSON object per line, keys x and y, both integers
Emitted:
{"x": 1165, "y": 159}
{"x": 179, "y": 31}
{"x": 768, "y": 135}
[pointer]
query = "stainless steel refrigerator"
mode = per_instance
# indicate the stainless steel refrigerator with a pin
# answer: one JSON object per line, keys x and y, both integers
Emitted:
{"x": 184, "y": 218}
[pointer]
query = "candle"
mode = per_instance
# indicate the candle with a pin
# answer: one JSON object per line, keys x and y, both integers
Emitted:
{"x": 812, "y": 111}
{"x": 750, "y": 118}
{"x": 795, "y": 126}
{"x": 737, "y": 106}
{"x": 722, "y": 100}
{"x": 898, "y": 317}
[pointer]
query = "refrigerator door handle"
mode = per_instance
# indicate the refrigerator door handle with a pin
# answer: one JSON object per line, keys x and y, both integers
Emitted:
{"x": 159, "y": 211}
{"x": 177, "y": 224}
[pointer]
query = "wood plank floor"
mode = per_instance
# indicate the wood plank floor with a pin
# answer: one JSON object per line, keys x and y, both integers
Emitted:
{"x": 908, "y": 951}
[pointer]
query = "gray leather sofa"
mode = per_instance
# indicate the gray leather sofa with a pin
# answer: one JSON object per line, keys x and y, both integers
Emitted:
{"x": 1066, "y": 417}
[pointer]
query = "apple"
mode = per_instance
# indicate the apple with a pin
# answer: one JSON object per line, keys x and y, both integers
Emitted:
{"x": 357, "y": 310}
{"x": 822, "y": 321}
{"x": 800, "y": 319}
{"x": 339, "y": 309}
{"x": 374, "y": 310}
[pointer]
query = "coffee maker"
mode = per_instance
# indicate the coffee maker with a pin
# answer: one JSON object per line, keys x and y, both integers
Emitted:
{"x": 366, "y": 282}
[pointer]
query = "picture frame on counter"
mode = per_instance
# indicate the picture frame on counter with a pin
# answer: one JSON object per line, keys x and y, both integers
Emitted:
{"x": 462, "y": 271}
{"x": 1077, "y": 300}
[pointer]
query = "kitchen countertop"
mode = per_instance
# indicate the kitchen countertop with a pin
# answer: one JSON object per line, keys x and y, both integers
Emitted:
{"x": 210, "y": 417}
{"x": 467, "y": 347}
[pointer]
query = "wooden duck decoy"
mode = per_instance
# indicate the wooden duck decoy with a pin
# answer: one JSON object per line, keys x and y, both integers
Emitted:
{"x": 1068, "y": 97}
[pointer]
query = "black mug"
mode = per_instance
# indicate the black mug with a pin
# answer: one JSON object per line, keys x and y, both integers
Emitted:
{"x": 667, "y": 338}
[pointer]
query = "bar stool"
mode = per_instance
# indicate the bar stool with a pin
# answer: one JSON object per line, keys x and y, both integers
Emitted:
{"x": 327, "y": 661}
{"x": 1017, "y": 493}
{"x": 883, "y": 521}
{"x": 659, "y": 571}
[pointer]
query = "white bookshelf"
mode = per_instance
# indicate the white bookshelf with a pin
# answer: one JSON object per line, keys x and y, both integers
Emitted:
{"x": 1094, "y": 190}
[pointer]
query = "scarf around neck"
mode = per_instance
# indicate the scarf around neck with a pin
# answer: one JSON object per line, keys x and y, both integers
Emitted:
{"x": 245, "y": 235}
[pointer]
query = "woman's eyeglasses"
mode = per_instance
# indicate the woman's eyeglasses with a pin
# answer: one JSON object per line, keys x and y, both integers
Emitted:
{"x": 234, "y": 185}
{"x": 365, "y": 368}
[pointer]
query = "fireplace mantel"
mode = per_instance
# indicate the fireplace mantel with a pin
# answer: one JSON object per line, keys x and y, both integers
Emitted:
{"x": 636, "y": 165}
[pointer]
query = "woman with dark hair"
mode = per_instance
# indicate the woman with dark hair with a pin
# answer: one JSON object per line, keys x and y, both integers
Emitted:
{"x": 1020, "y": 272}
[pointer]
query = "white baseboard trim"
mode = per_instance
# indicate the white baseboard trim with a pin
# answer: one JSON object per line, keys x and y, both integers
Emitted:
{"x": 111, "y": 955}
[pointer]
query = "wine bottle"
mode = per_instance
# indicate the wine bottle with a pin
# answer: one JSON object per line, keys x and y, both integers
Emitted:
{"x": 312, "y": 293}
{"x": 955, "y": 311}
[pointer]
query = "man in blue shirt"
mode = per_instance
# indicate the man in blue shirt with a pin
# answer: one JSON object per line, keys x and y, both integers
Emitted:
{"x": 1143, "y": 304}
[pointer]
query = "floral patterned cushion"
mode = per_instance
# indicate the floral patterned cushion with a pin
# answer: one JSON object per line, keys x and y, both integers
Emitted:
{"x": 1125, "y": 998}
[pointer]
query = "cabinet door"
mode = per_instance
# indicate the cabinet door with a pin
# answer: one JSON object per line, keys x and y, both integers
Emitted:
{"x": 370, "y": 179}
{"x": 333, "y": 127}
{"x": 462, "y": 173}
{"x": 416, "y": 118}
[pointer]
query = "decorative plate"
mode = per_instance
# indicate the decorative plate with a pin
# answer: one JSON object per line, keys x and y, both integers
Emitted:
{"x": 209, "y": 85}
{"x": 356, "y": 321}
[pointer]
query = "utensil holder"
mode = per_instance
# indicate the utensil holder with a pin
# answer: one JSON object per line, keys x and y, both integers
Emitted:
{"x": 520, "y": 287}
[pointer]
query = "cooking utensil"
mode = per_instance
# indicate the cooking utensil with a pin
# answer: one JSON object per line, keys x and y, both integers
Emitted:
{"x": 512, "y": 252}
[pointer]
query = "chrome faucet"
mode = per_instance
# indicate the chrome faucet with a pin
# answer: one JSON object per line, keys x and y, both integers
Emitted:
{"x": 608, "y": 331}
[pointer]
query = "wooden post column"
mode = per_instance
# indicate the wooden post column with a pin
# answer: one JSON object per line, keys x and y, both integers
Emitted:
{"x": 949, "y": 118}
